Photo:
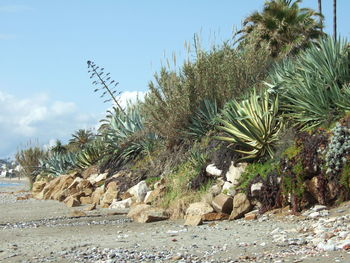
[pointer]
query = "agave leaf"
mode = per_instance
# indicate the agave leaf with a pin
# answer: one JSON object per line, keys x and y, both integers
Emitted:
{"x": 253, "y": 125}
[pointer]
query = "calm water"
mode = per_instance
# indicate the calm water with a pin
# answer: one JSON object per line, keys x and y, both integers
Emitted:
{"x": 7, "y": 184}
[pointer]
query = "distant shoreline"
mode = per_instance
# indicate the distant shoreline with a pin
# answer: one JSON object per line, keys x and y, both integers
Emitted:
{"x": 14, "y": 179}
{"x": 14, "y": 184}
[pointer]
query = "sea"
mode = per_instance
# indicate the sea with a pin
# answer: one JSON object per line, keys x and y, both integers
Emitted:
{"x": 7, "y": 184}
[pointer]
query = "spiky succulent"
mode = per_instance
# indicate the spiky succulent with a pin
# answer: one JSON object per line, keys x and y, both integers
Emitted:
{"x": 204, "y": 119}
{"x": 124, "y": 133}
{"x": 252, "y": 125}
{"x": 57, "y": 164}
{"x": 314, "y": 88}
{"x": 90, "y": 155}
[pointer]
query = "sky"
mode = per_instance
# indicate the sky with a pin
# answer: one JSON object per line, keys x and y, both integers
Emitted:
{"x": 45, "y": 89}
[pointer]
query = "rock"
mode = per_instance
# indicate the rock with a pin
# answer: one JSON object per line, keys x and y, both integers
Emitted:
{"x": 71, "y": 201}
{"x": 223, "y": 203}
{"x": 121, "y": 204}
{"x": 279, "y": 238}
{"x": 94, "y": 169}
{"x": 234, "y": 173}
{"x": 212, "y": 170}
{"x": 37, "y": 189}
{"x": 92, "y": 178}
{"x": 250, "y": 216}
{"x": 152, "y": 196}
{"x": 55, "y": 188}
{"x": 125, "y": 195}
{"x": 241, "y": 206}
{"x": 215, "y": 189}
{"x": 143, "y": 213}
{"x": 199, "y": 209}
{"x": 98, "y": 179}
{"x": 318, "y": 214}
{"x": 147, "y": 197}
{"x": 326, "y": 246}
{"x": 85, "y": 200}
{"x": 26, "y": 197}
{"x": 137, "y": 209}
{"x": 90, "y": 207}
{"x": 228, "y": 189}
{"x": 60, "y": 195}
{"x": 97, "y": 195}
{"x": 345, "y": 244}
{"x": 75, "y": 183}
{"x": 110, "y": 194}
{"x": 139, "y": 191}
{"x": 255, "y": 189}
{"x": 60, "y": 191}
{"x": 215, "y": 216}
{"x": 77, "y": 213}
{"x": 318, "y": 208}
{"x": 193, "y": 220}
{"x": 85, "y": 187}
{"x": 151, "y": 215}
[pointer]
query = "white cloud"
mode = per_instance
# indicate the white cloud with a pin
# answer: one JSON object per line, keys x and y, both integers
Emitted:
{"x": 130, "y": 97}
{"x": 40, "y": 118}
{"x": 61, "y": 108}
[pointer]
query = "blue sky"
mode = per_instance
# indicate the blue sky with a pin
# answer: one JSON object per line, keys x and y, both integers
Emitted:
{"x": 45, "y": 90}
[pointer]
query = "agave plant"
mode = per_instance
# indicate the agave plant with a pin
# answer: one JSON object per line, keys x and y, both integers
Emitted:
{"x": 90, "y": 155}
{"x": 204, "y": 119}
{"x": 124, "y": 133}
{"x": 314, "y": 88}
{"x": 252, "y": 125}
{"x": 57, "y": 164}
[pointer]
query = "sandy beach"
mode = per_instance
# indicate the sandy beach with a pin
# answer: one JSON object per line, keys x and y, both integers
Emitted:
{"x": 47, "y": 231}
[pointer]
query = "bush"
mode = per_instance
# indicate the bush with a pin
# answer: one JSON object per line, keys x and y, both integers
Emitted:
{"x": 218, "y": 75}
{"x": 29, "y": 160}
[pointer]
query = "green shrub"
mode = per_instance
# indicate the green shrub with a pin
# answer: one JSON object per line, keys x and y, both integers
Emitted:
{"x": 338, "y": 149}
{"x": 255, "y": 170}
{"x": 29, "y": 160}
{"x": 218, "y": 75}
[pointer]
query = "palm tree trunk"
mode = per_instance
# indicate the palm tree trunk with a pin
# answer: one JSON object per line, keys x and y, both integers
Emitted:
{"x": 320, "y": 11}
{"x": 335, "y": 19}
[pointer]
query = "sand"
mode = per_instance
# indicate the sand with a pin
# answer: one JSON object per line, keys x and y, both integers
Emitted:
{"x": 45, "y": 231}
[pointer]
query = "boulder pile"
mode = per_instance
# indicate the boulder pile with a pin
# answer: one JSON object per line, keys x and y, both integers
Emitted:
{"x": 119, "y": 191}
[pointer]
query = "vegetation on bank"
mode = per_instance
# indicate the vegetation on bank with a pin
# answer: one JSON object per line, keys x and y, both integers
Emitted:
{"x": 277, "y": 98}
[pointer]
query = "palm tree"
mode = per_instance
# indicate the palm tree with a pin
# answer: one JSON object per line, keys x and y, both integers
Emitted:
{"x": 80, "y": 138}
{"x": 335, "y": 19}
{"x": 59, "y": 148}
{"x": 320, "y": 12}
{"x": 282, "y": 27}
